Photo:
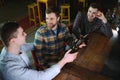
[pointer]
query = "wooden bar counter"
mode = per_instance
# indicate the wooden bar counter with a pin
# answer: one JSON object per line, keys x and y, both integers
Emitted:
{"x": 90, "y": 60}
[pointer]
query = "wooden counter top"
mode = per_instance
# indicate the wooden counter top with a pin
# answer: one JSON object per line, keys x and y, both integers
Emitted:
{"x": 90, "y": 60}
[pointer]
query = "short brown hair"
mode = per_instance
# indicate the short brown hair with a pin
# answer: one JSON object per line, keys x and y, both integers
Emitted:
{"x": 95, "y": 5}
{"x": 52, "y": 9}
{"x": 8, "y": 31}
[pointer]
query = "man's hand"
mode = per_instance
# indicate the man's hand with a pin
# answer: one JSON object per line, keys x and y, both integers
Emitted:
{"x": 101, "y": 16}
{"x": 68, "y": 57}
{"x": 82, "y": 45}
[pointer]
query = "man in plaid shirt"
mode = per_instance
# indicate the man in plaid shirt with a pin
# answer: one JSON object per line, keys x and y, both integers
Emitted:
{"x": 50, "y": 38}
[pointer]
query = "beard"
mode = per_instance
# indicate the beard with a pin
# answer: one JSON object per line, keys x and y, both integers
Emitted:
{"x": 51, "y": 25}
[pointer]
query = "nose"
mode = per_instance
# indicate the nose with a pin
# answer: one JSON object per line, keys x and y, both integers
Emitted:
{"x": 48, "y": 20}
{"x": 25, "y": 33}
{"x": 91, "y": 15}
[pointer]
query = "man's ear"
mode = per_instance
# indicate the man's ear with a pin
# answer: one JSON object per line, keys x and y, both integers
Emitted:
{"x": 58, "y": 19}
{"x": 12, "y": 40}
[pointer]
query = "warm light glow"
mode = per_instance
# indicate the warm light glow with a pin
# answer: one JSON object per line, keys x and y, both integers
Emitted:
{"x": 115, "y": 33}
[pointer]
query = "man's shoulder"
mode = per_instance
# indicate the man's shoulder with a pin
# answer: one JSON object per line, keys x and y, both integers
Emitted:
{"x": 42, "y": 29}
{"x": 82, "y": 13}
{"x": 62, "y": 25}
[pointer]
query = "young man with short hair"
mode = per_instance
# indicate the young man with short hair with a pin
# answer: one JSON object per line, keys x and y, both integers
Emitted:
{"x": 15, "y": 64}
{"x": 92, "y": 21}
{"x": 50, "y": 38}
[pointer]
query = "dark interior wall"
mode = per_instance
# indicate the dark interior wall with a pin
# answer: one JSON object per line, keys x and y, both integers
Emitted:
{"x": 105, "y": 4}
{"x": 75, "y": 6}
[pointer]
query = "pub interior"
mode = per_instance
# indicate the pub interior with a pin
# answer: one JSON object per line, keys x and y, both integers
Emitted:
{"x": 100, "y": 60}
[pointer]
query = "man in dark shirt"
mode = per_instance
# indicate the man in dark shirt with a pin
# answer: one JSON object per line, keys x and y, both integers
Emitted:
{"x": 94, "y": 20}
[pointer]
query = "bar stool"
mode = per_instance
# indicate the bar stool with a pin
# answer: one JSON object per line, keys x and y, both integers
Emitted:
{"x": 65, "y": 13}
{"x": 41, "y": 22}
{"x": 32, "y": 13}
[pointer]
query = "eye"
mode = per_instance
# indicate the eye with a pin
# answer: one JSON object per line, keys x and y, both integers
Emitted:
{"x": 52, "y": 19}
{"x": 89, "y": 11}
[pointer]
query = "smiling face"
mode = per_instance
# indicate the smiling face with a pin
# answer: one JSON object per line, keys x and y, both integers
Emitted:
{"x": 91, "y": 14}
{"x": 51, "y": 20}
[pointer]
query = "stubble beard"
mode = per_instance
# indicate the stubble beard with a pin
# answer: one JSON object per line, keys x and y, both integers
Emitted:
{"x": 51, "y": 26}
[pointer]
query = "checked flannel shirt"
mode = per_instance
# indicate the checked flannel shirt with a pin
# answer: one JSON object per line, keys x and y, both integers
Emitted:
{"x": 49, "y": 44}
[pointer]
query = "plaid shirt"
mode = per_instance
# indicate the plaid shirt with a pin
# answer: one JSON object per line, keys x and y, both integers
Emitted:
{"x": 49, "y": 46}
